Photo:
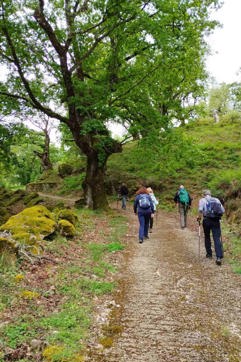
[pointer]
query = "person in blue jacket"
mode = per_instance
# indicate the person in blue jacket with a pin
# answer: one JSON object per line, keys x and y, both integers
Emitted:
{"x": 144, "y": 208}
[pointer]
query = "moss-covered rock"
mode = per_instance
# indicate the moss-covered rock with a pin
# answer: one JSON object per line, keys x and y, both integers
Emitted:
{"x": 30, "y": 226}
{"x": 69, "y": 215}
{"x": 66, "y": 228}
{"x": 32, "y": 199}
{"x": 13, "y": 202}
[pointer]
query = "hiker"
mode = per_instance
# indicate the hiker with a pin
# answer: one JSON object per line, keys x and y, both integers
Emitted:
{"x": 155, "y": 203}
{"x": 211, "y": 210}
{"x": 144, "y": 208}
{"x": 183, "y": 200}
{"x": 123, "y": 194}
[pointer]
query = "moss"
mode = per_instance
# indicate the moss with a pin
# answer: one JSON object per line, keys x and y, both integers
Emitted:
{"x": 106, "y": 342}
{"x": 79, "y": 358}
{"x": 30, "y": 226}
{"x": 14, "y": 197}
{"x": 29, "y": 295}
{"x": 50, "y": 353}
{"x": 112, "y": 330}
{"x": 66, "y": 228}
{"x": 68, "y": 215}
{"x": 32, "y": 199}
{"x": 18, "y": 278}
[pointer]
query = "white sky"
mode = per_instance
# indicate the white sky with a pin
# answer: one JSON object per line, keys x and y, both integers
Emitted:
{"x": 225, "y": 62}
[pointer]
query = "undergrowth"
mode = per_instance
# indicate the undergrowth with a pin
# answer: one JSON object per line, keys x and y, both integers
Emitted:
{"x": 56, "y": 312}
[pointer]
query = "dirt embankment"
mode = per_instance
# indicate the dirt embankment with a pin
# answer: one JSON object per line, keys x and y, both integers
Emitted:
{"x": 176, "y": 305}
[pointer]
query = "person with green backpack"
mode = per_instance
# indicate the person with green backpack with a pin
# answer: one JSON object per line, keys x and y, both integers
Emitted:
{"x": 183, "y": 200}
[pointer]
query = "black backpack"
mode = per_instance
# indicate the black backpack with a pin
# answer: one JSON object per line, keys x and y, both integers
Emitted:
{"x": 214, "y": 208}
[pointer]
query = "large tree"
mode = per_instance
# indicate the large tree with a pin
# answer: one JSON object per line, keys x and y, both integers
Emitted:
{"x": 86, "y": 63}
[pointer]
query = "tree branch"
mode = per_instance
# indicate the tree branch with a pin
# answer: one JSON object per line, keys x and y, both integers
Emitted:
{"x": 45, "y": 110}
{"x": 135, "y": 85}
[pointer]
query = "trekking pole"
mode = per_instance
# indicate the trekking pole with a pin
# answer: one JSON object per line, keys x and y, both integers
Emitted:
{"x": 199, "y": 238}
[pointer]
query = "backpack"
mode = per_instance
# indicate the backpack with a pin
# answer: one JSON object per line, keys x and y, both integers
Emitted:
{"x": 213, "y": 208}
{"x": 144, "y": 201}
{"x": 183, "y": 197}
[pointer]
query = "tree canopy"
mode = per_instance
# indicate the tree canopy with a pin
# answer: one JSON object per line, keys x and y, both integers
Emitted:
{"x": 89, "y": 63}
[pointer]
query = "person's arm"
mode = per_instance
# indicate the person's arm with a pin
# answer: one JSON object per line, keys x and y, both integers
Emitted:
{"x": 190, "y": 200}
{"x": 176, "y": 198}
{"x": 155, "y": 200}
{"x": 152, "y": 205}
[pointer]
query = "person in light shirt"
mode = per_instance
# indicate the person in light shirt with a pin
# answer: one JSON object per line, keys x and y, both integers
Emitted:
{"x": 155, "y": 203}
{"x": 211, "y": 223}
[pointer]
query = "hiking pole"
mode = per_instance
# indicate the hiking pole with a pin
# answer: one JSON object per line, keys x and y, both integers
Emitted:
{"x": 199, "y": 238}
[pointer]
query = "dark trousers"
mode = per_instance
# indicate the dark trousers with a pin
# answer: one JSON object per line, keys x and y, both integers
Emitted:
{"x": 144, "y": 220}
{"x": 214, "y": 226}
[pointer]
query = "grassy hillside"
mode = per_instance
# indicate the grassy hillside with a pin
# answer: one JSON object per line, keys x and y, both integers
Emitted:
{"x": 201, "y": 154}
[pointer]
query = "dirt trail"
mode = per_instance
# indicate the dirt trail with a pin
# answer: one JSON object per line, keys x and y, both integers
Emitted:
{"x": 67, "y": 201}
{"x": 177, "y": 306}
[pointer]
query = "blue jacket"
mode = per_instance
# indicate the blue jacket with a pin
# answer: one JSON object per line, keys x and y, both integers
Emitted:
{"x": 138, "y": 209}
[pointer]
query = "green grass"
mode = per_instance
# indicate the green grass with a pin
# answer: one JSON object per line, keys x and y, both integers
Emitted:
{"x": 65, "y": 328}
{"x": 200, "y": 155}
{"x": 72, "y": 183}
{"x": 18, "y": 333}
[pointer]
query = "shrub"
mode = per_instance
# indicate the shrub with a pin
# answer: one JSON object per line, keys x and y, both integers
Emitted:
{"x": 65, "y": 169}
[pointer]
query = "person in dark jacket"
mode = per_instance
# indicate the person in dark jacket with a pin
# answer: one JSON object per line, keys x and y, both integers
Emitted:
{"x": 144, "y": 208}
{"x": 183, "y": 200}
{"x": 123, "y": 192}
{"x": 211, "y": 224}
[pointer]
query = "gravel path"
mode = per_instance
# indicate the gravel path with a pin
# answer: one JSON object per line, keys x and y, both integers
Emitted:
{"x": 177, "y": 306}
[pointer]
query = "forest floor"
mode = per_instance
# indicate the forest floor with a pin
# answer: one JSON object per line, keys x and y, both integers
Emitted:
{"x": 174, "y": 305}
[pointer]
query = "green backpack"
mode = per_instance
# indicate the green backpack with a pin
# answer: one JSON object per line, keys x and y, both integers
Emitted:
{"x": 184, "y": 197}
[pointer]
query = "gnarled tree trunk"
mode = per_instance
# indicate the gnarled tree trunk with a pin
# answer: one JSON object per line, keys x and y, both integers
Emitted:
{"x": 97, "y": 147}
{"x": 94, "y": 188}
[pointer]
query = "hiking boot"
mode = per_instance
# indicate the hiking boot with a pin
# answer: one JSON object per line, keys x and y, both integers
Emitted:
{"x": 209, "y": 256}
{"x": 218, "y": 261}
{"x": 140, "y": 241}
